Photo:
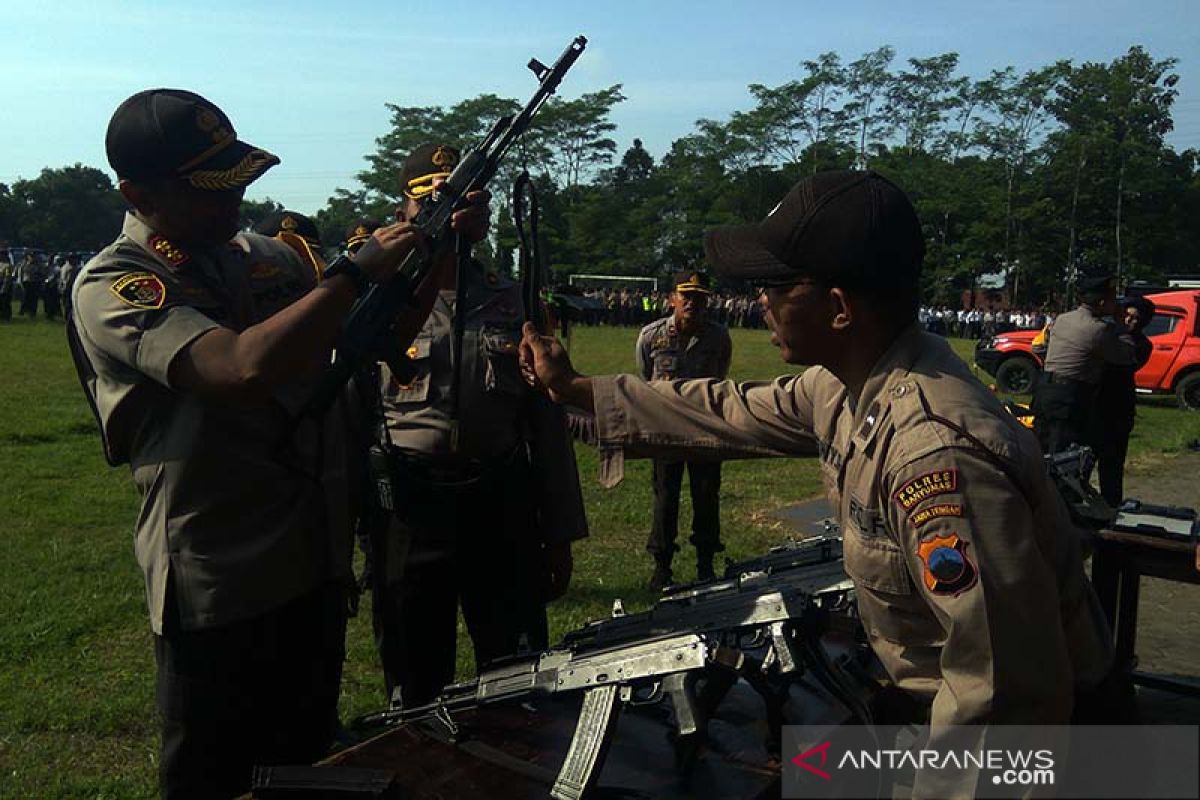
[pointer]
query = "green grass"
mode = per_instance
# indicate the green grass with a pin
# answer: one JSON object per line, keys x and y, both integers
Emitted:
{"x": 76, "y": 664}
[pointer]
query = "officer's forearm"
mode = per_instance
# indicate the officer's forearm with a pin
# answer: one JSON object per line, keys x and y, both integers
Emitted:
{"x": 246, "y": 366}
{"x": 577, "y": 391}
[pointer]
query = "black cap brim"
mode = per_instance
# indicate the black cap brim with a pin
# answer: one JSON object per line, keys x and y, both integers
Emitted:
{"x": 234, "y": 167}
{"x": 737, "y": 251}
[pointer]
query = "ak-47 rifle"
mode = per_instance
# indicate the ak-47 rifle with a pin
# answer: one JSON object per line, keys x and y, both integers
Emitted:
{"x": 637, "y": 673}
{"x": 370, "y": 327}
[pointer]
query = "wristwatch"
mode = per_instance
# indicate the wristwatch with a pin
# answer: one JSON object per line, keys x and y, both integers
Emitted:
{"x": 344, "y": 265}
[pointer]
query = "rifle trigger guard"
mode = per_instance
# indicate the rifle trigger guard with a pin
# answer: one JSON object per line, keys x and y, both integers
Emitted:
{"x": 653, "y": 696}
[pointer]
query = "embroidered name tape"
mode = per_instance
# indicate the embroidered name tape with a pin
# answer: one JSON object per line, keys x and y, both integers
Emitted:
{"x": 923, "y": 487}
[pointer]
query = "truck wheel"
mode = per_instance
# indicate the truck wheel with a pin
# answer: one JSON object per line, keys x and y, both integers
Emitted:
{"x": 1188, "y": 392}
{"x": 1016, "y": 375}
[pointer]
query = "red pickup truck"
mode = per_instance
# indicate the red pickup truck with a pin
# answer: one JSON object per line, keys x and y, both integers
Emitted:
{"x": 1174, "y": 364}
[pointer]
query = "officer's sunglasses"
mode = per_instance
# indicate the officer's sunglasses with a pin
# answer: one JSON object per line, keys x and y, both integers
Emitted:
{"x": 783, "y": 284}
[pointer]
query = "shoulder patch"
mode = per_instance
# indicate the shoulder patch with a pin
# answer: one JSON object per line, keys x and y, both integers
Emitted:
{"x": 928, "y": 513}
{"x": 140, "y": 290}
{"x": 925, "y": 486}
{"x": 948, "y": 568}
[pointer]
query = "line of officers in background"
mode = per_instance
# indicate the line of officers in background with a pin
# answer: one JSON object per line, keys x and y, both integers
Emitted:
{"x": 30, "y": 276}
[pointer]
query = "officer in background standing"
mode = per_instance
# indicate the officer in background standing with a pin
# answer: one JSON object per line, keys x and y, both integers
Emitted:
{"x": 50, "y": 295}
{"x": 484, "y": 507}
{"x": 299, "y": 233}
{"x": 1116, "y": 401}
{"x": 29, "y": 275}
{"x": 686, "y": 344}
{"x": 66, "y": 279}
{"x": 1080, "y": 344}
{"x": 199, "y": 348}
{"x": 7, "y": 278}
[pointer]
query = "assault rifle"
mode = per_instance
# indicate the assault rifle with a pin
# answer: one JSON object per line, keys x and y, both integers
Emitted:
{"x": 370, "y": 327}
{"x": 1071, "y": 471}
{"x": 778, "y": 604}
{"x": 637, "y": 673}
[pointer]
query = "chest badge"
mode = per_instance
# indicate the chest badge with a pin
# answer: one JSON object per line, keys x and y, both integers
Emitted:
{"x": 948, "y": 568}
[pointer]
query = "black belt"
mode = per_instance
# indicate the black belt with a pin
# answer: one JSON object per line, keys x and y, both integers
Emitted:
{"x": 420, "y": 467}
{"x": 1050, "y": 377}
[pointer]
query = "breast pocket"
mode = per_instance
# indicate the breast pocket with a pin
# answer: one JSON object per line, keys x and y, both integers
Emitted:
{"x": 875, "y": 563}
{"x": 501, "y": 369}
{"x": 666, "y": 365}
{"x": 413, "y": 385}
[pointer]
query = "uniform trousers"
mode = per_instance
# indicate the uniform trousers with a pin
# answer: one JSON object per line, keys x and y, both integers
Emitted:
{"x": 255, "y": 692}
{"x": 472, "y": 542}
{"x": 704, "y": 481}
{"x": 1063, "y": 413}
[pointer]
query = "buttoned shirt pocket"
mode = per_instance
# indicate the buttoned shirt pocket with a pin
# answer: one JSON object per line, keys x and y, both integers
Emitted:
{"x": 876, "y": 563}
{"x": 414, "y": 387}
{"x": 501, "y": 370}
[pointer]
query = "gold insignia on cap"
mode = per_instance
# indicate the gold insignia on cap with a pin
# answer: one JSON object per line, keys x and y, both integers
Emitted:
{"x": 361, "y": 230}
{"x": 240, "y": 174}
{"x": 411, "y": 352}
{"x": 289, "y": 224}
{"x": 444, "y": 157}
{"x": 170, "y": 253}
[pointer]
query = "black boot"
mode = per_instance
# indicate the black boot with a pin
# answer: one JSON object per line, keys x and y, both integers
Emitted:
{"x": 662, "y": 577}
{"x": 704, "y": 566}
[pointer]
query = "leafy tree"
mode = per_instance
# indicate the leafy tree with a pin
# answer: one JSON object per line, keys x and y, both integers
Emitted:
{"x": 68, "y": 208}
{"x": 255, "y": 211}
{"x": 867, "y": 84}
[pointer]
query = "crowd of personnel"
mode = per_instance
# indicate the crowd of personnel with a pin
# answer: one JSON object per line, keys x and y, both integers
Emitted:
{"x": 627, "y": 306}
{"x": 981, "y": 323}
{"x": 202, "y": 350}
{"x": 31, "y": 277}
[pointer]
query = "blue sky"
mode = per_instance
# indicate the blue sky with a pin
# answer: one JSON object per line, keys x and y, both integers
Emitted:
{"x": 309, "y": 80}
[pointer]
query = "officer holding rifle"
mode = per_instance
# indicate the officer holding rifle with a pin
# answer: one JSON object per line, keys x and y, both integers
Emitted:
{"x": 968, "y": 570}
{"x": 197, "y": 347}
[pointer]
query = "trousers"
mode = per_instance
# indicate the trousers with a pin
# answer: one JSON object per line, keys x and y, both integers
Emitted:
{"x": 256, "y": 692}
{"x": 704, "y": 482}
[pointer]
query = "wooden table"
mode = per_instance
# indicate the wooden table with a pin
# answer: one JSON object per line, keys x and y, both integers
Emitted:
{"x": 1120, "y": 560}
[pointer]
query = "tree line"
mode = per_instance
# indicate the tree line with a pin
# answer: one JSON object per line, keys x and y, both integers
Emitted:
{"x": 1032, "y": 175}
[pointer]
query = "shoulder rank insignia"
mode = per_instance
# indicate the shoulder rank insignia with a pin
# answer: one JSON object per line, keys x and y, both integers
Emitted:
{"x": 289, "y": 224}
{"x": 922, "y": 487}
{"x": 140, "y": 290}
{"x": 169, "y": 252}
{"x": 948, "y": 568}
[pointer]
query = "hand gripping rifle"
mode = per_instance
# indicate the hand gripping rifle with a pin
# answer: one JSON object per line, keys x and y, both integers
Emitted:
{"x": 370, "y": 327}
{"x": 638, "y": 673}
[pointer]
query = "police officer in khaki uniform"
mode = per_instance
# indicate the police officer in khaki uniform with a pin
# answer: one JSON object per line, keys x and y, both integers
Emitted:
{"x": 299, "y": 233}
{"x": 486, "y": 504}
{"x": 686, "y": 344}
{"x": 968, "y": 570}
{"x": 197, "y": 347}
{"x": 1080, "y": 345}
{"x": 7, "y": 278}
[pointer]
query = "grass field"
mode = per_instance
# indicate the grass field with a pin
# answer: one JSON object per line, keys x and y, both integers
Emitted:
{"x": 76, "y": 665}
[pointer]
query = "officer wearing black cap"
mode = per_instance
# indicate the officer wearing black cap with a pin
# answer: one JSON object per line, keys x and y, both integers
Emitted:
{"x": 1116, "y": 400}
{"x": 685, "y": 344}
{"x": 968, "y": 572}
{"x": 1079, "y": 345}
{"x": 488, "y": 502}
{"x": 197, "y": 345}
{"x": 359, "y": 232}
{"x": 297, "y": 232}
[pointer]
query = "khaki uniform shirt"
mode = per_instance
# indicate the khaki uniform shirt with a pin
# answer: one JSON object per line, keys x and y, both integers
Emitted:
{"x": 1080, "y": 344}
{"x": 968, "y": 570}
{"x": 237, "y": 516}
{"x": 664, "y": 355}
{"x": 498, "y": 410}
